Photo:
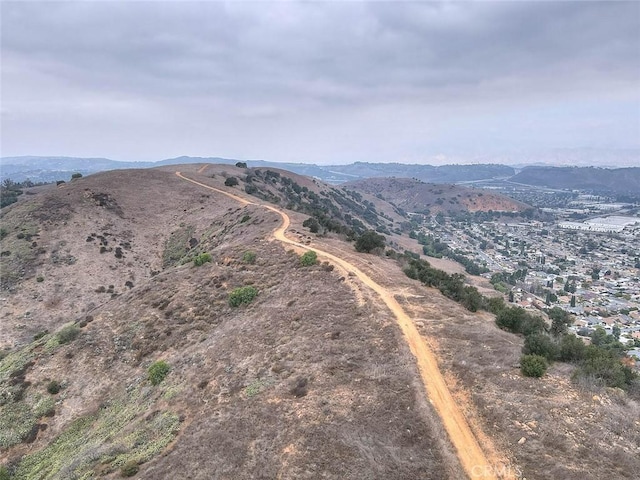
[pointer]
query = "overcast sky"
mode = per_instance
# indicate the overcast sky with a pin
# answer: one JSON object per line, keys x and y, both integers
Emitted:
{"x": 323, "y": 82}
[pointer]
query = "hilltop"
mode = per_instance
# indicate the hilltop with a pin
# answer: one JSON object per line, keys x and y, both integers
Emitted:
{"x": 109, "y": 275}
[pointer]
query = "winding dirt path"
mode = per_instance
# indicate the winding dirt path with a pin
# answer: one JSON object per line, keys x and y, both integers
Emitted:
{"x": 471, "y": 456}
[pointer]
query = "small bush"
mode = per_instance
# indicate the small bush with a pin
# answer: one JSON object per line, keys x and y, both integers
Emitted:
{"x": 242, "y": 296}
{"x": 68, "y": 334}
{"x": 4, "y": 473}
{"x": 129, "y": 469}
{"x": 158, "y": 371}
{"x": 249, "y": 257}
{"x": 309, "y": 258}
{"x": 245, "y": 219}
{"x": 369, "y": 241}
{"x": 540, "y": 344}
{"x": 572, "y": 349}
{"x": 533, "y": 365}
{"x": 300, "y": 389}
{"x": 40, "y": 334}
{"x": 202, "y": 259}
{"x": 39, "y": 279}
{"x": 231, "y": 182}
{"x": 327, "y": 267}
{"x": 76, "y": 175}
{"x": 53, "y": 387}
{"x": 312, "y": 224}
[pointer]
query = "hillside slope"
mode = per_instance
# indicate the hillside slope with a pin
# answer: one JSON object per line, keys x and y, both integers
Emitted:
{"x": 413, "y": 195}
{"x": 306, "y": 381}
{"x": 311, "y": 379}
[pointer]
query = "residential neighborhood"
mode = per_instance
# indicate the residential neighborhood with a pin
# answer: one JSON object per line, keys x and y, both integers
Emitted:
{"x": 589, "y": 268}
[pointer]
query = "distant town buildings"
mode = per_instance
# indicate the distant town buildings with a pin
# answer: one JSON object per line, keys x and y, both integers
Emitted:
{"x": 611, "y": 224}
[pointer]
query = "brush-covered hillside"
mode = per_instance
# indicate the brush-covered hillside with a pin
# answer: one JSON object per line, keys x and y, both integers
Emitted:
{"x": 157, "y": 328}
{"x": 151, "y": 327}
{"x": 413, "y": 195}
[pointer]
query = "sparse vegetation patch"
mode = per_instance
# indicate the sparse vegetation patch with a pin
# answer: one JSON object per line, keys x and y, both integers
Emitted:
{"x": 158, "y": 371}
{"x": 202, "y": 259}
{"x": 533, "y": 365}
{"x": 96, "y": 445}
{"x": 177, "y": 246}
{"x": 249, "y": 257}
{"x": 309, "y": 258}
{"x": 242, "y": 296}
{"x": 68, "y": 334}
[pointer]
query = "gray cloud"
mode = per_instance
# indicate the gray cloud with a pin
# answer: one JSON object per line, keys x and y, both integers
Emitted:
{"x": 313, "y": 81}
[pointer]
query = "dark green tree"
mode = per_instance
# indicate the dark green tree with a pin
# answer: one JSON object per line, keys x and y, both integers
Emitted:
{"x": 231, "y": 182}
{"x": 369, "y": 241}
{"x": 616, "y": 332}
{"x": 572, "y": 349}
{"x": 560, "y": 321}
{"x": 540, "y": 344}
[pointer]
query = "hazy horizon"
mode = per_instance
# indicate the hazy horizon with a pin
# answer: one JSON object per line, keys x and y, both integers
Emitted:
{"x": 560, "y": 158}
{"x": 323, "y": 82}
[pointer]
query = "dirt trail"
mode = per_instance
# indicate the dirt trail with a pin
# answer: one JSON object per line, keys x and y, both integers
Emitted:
{"x": 468, "y": 450}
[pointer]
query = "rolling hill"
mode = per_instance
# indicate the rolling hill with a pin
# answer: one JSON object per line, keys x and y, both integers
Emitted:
{"x": 155, "y": 326}
{"x": 39, "y": 169}
{"x": 414, "y": 195}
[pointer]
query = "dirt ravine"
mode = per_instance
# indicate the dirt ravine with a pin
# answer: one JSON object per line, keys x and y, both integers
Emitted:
{"x": 469, "y": 452}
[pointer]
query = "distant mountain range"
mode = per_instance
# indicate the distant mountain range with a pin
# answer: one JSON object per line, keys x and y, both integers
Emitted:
{"x": 47, "y": 169}
{"x": 601, "y": 180}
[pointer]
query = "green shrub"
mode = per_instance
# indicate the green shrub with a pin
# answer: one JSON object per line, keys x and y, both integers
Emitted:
{"x": 572, "y": 349}
{"x": 129, "y": 469}
{"x": 540, "y": 344}
{"x": 242, "y": 296}
{"x": 76, "y": 175}
{"x": 231, "y": 182}
{"x": 39, "y": 279}
{"x": 604, "y": 368}
{"x": 496, "y": 304}
{"x": 53, "y": 387}
{"x": 158, "y": 371}
{"x": 245, "y": 219}
{"x": 369, "y": 241}
{"x": 309, "y": 258}
{"x": 249, "y": 257}
{"x": 533, "y": 365}
{"x": 4, "y": 473}
{"x": 202, "y": 259}
{"x": 312, "y": 224}
{"x": 68, "y": 334}
{"x": 40, "y": 334}
{"x": 517, "y": 320}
